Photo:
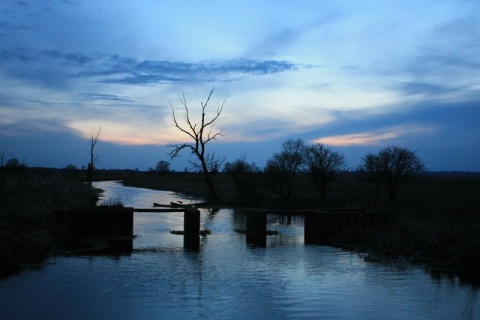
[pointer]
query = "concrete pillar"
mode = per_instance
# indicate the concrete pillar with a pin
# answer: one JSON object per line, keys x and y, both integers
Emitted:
{"x": 191, "y": 221}
{"x": 256, "y": 222}
{"x": 122, "y": 221}
{"x": 257, "y": 229}
{"x": 315, "y": 228}
{"x": 113, "y": 224}
{"x": 191, "y": 228}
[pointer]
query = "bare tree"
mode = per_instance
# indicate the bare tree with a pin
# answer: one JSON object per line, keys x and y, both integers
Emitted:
{"x": 201, "y": 134}
{"x": 323, "y": 164}
{"x": 391, "y": 168}
{"x": 214, "y": 163}
{"x": 93, "y": 157}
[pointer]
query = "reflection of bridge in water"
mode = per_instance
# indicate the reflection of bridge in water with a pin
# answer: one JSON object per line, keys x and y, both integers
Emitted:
{"x": 320, "y": 226}
{"x": 115, "y": 225}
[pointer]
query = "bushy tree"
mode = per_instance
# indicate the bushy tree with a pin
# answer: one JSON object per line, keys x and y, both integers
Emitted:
{"x": 13, "y": 163}
{"x": 322, "y": 165}
{"x": 282, "y": 167}
{"x": 71, "y": 167}
{"x": 391, "y": 168}
{"x": 241, "y": 171}
{"x": 246, "y": 177}
{"x": 162, "y": 166}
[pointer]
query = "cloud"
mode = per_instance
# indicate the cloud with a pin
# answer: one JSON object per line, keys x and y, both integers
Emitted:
{"x": 22, "y": 3}
{"x": 20, "y": 54}
{"x": 131, "y": 71}
{"x": 32, "y": 128}
{"x": 54, "y": 67}
{"x": 76, "y": 59}
{"x": 446, "y": 61}
{"x": 372, "y": 137}
{"x": 365, "y": 138}
{"x": 436, "y": 92}
{"x": 106, "y": 98}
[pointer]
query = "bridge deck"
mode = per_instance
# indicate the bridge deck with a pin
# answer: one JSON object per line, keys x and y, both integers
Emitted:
{"x": 158, "y": 210}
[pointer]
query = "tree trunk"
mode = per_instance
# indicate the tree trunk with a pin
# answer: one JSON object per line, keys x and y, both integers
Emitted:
{"x": 208, "y": 181}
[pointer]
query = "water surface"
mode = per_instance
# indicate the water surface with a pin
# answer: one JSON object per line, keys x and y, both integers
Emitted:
{"x": 227, "y": 278}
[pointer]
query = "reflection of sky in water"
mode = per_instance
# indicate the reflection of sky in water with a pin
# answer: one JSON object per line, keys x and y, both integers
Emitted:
{"x": 138, "y": 197}
{"x": 152, "y": 229}
{"x": 227, "y": 278}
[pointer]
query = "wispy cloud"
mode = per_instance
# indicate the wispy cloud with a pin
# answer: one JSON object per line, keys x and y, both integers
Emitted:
{"x": 124, "y": 70}
{"x": 445, "y": 63}
{"x": 372, "y": 137}
{"x": 131, "y": 71}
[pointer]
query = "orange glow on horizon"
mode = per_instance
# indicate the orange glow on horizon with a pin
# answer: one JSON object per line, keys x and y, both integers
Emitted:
{"x": 356, "y": 139}
{"x": 369, "y": 138}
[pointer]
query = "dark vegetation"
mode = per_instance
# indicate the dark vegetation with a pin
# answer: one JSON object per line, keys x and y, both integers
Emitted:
{"x": 28, "y": 200}
{"x": 434, "y": 220}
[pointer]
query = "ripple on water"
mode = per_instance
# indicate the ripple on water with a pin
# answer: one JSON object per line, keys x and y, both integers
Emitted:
{"x": 227, "y": 278}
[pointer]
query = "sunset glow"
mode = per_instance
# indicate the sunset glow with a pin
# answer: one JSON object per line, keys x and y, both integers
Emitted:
{"x": 345, "y": 74}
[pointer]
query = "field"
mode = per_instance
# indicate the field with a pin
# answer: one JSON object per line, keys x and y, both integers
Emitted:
{"x": 435, "y": 221}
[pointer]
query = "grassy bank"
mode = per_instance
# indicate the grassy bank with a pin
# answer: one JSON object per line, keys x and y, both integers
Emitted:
{"x": 29, "y": 198}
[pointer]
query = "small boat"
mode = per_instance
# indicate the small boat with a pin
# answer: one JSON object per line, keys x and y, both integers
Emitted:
{"x": 181, "y": 204}
{"x": 161, "y": 205}
{"x": 172, "y": 204}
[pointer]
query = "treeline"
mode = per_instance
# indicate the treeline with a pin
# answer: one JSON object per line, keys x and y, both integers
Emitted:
{"x": 389, "y": 169}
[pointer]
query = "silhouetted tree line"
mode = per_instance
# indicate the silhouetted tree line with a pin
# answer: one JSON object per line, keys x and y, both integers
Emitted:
{"x": 10, "y": 164}
{"x": 389, "y": 169}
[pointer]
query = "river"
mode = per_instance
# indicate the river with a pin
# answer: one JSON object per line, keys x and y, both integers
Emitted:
{"x": 227, "y": 278}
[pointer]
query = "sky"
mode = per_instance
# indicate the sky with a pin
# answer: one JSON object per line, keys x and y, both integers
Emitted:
{"x": 355, "y": 76}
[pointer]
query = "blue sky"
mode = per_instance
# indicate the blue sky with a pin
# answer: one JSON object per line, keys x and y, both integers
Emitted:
{"x": 354, "y": 75}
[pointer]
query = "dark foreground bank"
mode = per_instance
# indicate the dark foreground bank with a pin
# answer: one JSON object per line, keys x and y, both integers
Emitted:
{"x": 29, "y": 231}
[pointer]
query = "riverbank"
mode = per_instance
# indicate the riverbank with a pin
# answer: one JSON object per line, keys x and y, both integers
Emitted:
{"x": 434, "y": 223}
{"x": 29, "y": 232}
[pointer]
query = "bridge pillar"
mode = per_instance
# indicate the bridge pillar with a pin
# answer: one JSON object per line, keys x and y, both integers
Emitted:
{"x": 257, "y": 222}
{"x": 113, "y": 224}
{"x": 316, "y": 230}
{"x": 257, "y": 229}
{"x": 191, "y": 221}
{"x": 191, "y": 228}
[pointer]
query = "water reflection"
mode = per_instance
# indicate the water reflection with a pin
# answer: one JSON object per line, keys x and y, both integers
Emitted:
{"x": 227, "y": 278}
